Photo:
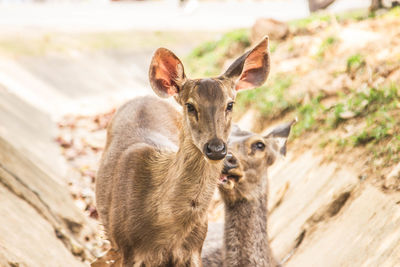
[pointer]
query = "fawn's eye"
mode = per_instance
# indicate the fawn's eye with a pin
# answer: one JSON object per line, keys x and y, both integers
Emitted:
{"x": 190, "y": 108}
{"x": 258, "y": 146}
{"x": 229, "y": 107}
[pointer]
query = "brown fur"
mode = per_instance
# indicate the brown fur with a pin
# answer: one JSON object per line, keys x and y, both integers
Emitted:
{"x": 245, "y": 198}
{"x": 154, "y": 183}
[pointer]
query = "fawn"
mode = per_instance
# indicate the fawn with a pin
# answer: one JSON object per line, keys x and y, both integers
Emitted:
{"x": 159, "y": 168}
{"x": 244, "y": 190}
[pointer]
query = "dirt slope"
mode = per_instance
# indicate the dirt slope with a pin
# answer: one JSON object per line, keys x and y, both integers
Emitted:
{"x": 40, "y": 224}
{"x": 334, "y": 201}
{"x": 335, "y": 198}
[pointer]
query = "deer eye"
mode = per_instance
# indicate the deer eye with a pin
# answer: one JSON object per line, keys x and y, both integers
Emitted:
{"x": 229, "y": 107}
{"x": 258, "y": 146}
{"x": 190, "y": 108}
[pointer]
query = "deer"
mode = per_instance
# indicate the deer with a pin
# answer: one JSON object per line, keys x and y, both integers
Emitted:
{"x": 160, "y": 167}
{"x": 244, "y": 190}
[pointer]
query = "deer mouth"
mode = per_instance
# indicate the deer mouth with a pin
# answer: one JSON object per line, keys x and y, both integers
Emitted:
{"x": 229, "y": 176}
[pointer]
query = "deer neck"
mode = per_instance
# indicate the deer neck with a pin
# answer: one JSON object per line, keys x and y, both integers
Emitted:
{"x": 195, "y": 178}
{"x": 245, "y": 235}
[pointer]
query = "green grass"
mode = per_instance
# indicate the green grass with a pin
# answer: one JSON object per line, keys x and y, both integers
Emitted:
{"x": 325, "y": 45}
{"x": 354, "y": 62}
{"x": 208, "y": 58}
{"x": 325, "y": 18}
{"x": 308, "y": 115}
{"x": 271, "y": 100}
{"x": 393, "y": 13}
{"x": 315, "y": 18}
{"x": 376, "y": 109}
{"x": 354, "y": 15}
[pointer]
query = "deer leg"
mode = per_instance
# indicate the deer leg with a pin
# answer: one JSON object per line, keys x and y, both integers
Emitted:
{"x": 194, "y": 244}
{"x": 128, "y": 258}
{"x": 195, "y": 260}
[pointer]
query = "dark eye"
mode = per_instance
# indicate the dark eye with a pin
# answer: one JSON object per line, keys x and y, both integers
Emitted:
{"x": 229, "y": 107}
{"x": 190, "y": 108}
{"x": 259, "y": 146}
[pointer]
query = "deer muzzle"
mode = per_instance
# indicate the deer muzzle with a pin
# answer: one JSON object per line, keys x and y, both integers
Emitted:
{"x": 215, "y": 149}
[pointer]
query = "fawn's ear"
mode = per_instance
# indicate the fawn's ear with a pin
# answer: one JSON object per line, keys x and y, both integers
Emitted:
{"x": 252, "y": 68}
{"x": 277, "y": 139}
{"x": 166, "y": 73}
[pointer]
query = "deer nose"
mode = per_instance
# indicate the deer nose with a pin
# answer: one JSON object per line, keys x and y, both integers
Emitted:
{"x": 230, "y": 163}
{"x": 215, "y": 149}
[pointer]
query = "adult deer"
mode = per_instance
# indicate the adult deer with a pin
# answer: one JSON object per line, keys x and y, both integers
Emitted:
{"x": 244, "y": 191}
{"x": 160, "y": 168}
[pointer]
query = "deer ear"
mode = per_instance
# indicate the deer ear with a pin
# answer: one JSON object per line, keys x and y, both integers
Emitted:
{"x": 278, "y": 137}
{"x": 166, "y": 73}
{"x": 252, "y": 68}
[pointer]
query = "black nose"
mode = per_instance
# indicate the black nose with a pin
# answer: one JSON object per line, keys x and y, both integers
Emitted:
{"x": 215, "y": 149}
{"x": 230, "y": 162}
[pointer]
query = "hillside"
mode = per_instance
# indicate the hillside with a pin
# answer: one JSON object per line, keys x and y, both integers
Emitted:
{"x": 334, "y": 200}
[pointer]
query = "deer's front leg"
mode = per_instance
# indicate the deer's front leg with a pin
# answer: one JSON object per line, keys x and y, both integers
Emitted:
{"x": 195, "y": 240}
{"x": 195, "y": 259}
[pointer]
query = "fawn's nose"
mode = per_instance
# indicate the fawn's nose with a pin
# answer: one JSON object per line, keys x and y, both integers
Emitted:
{"x": 215, "y": 149}
{"x": 230, "y": 162}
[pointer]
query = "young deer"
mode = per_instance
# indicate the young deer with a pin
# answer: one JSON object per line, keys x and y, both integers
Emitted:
{"x": 244, "y": 190}
{"x": 160, "y": 168}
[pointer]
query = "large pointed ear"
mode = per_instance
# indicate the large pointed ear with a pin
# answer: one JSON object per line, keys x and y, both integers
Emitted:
{"x": 252, "y": 68}
{"x": 279, "y": 135}
{"x": 166, "y": 73}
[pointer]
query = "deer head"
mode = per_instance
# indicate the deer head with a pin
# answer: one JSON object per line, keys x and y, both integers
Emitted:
{"x": 250, "y": 155}
{"x": 208, "y": 103}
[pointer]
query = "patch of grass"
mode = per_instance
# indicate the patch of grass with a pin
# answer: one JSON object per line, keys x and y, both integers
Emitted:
{"x": 314, "y": 18}
{"x": 208, "y": 58}
{"x": 273, "y": 45}
{"x": 378, "y": 110}
{"x": 271, "y": 100}
{"x": 336, "y": 118}
{"x": 375, "y": 111}
{"x": 354, "y": 62}
{"x": 393, "y": 13}
{"x": 366, "y": 104}
{"x": 325, "y": 45}
{"x": 380, "y": 125}
{"x": 325, "y": 18}
{"x": 308, "y": 115}
{"x": 354, "y": 15}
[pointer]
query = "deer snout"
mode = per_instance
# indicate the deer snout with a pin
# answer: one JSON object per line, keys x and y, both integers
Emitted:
{"x": 230, "y": 163}
{"x": 215, "y": 149}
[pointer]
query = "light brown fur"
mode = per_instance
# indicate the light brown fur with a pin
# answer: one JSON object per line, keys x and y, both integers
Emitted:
{"x": 244, "y": 190}
{"x": 155, "y": 182}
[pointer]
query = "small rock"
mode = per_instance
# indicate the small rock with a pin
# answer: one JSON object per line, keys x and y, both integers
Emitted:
{"x": 276, "y": 30}
{"x": 76, "y": 249}
{"x": 392, "y": 180}
{"x": 81, "y": 204}
{"x": 347, "y": 115}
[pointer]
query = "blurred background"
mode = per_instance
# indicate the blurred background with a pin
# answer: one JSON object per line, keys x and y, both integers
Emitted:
{"x": 65, "y": 66}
